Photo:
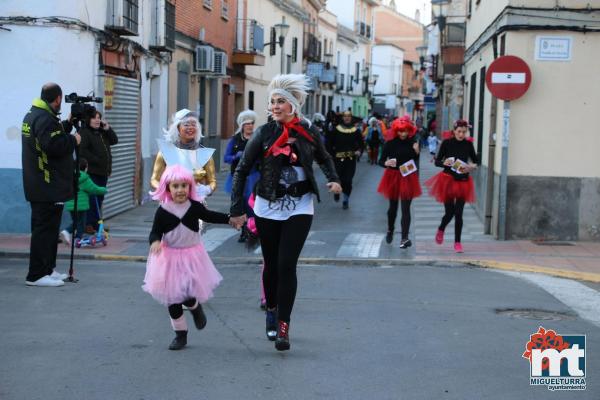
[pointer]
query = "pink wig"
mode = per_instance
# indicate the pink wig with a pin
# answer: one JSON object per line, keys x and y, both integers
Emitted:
{"x": 174, "y": 173}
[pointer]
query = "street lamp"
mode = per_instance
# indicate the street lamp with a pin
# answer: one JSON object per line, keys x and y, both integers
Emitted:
{"x": 281, "y": 31}
{"x": 440, "y": 12}
{"x": 422, "y": 52}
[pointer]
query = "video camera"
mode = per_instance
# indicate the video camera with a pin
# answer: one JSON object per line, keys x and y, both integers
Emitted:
{"x": 80, "y": 110}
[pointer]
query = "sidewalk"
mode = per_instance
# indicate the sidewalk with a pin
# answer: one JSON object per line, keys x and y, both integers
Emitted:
{"x": 335, "y": 236}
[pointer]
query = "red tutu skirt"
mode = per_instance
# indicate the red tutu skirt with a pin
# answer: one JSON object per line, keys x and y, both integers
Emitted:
{"x": 394, "y": 186}
{"x": 444, "y": 188}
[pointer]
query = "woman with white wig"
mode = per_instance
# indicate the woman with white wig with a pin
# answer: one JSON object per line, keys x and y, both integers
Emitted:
{"x": 185, "y": 132}
{"x": 285, "y": 149}
{"x": 233, "y": 154}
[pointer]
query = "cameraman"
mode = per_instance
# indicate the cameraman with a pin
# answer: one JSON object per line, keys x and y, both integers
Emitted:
{"x": 48, "y": 167}
{"x": 96, "y": 138}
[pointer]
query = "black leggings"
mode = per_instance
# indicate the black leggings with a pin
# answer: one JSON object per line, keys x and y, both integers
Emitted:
{"x": 404, "y": 220}
{"x": 176, "y": 310}
{"x": 454, "y": 209}
{"x": 281, "y": 243}
{"x": 346, "y": 170}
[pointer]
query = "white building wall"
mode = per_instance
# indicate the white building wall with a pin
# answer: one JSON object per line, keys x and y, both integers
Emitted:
{"x": 344, "y": 9}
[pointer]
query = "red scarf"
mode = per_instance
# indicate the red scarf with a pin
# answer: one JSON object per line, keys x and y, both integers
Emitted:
{"x": 280, "y": 145}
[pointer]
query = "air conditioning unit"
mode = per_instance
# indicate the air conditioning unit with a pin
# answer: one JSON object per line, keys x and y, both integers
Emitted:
{"x": 220, "y": 63}
{"x": 163, "y": 26}
{"x": 122, "y": 17}
{"x": 204, "y": 58}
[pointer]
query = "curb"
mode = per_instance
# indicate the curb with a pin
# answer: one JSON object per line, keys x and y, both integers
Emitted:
{"x": 390, "y": 262}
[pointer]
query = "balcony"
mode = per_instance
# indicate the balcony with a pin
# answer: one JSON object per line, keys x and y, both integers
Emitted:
{"x": 312, "y": 47}
{"x": 322, "y": 72}
{"x": 249, "y": 43}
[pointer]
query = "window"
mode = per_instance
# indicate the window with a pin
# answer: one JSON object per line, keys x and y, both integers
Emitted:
{"x": 288, "y": 66}
{"x": 455, "y": 33}
{"x": 502, "y": 44}
{"x": 170, "y": 25}
{"x": 251, "y": 100}
{"x": 225, "y": 9}
{"x": 273, "y": 41}
{"x": 207, "y": 4}
{"x": 130, "y": 15}
{"x": 356, "y": 72}
{"x": 295, "y": 49}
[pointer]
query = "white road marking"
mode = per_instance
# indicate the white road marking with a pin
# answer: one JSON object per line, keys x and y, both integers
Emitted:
{"x": 362, "y": 245}
{"x": 215, "y": 237}
{"x": 582, "y": 299}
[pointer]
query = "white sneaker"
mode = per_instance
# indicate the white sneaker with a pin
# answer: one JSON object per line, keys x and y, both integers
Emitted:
{"x": 65, "y": 236}
{"x": 58, "y": 275}
{"x": 45, "y": 281}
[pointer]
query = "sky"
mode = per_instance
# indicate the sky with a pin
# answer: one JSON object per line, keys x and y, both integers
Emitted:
{"x": 408, "y": 7}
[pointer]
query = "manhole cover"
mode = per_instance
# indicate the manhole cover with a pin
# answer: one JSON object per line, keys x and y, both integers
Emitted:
{"x": 540, "y": 315}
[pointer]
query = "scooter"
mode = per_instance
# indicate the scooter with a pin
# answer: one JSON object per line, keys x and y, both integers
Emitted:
{"x": 100, "y": 237}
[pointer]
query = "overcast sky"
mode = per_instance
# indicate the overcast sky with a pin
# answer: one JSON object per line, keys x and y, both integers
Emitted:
{"x": 408, "y": 7}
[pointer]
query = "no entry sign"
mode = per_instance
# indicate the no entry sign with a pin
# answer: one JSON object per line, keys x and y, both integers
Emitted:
{"x": 508, "y": 77}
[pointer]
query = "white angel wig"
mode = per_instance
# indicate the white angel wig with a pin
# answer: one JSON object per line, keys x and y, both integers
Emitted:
{"x": 245, "y": 117}
{"x": 293, "y": 88}
{"x": 182, "y": 116}
{"x": 318, "y": 117}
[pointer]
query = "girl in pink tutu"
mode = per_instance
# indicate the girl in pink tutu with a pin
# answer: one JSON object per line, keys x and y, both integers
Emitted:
{"x": 179, "y": 271}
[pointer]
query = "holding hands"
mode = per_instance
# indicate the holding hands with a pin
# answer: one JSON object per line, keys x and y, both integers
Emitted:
{"x": 334, "y": 187}
{"x": 238, "y": 222}
{"x": 155, "y": 247}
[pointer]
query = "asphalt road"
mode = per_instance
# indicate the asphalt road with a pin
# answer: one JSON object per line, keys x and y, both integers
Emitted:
{"x": 357, "y": 332}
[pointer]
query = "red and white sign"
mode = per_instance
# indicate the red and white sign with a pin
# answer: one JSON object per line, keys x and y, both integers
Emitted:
{"x": 508, "y": 77}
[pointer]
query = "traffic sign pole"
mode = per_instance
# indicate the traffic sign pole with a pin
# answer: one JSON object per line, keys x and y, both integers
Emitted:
{"x": 508, "y": 78}
{"x": 504, "y": 171}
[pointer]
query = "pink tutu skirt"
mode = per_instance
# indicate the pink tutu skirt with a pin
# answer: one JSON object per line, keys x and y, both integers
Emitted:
{"x": 177, "y": 274}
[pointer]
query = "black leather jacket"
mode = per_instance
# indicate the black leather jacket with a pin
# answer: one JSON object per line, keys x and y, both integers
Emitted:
{"x": 270, "y": 167}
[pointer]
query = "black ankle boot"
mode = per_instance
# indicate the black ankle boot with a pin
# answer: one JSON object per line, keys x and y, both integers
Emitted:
{"x": 282, "y": 342}
{"x": 199, "y": 317}
{"x": 336, "y": 197}
{"x": 180, "y": 340}
{"x": 271, "y": 324}
{"x": 389, "y": 237}
{"x": 405, "y": 243}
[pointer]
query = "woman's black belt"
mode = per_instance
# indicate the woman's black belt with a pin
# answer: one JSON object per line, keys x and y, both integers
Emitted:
{"x": 297, "y": 189}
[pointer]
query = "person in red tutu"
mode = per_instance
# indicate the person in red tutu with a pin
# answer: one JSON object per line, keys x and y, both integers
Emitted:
{"x": 400, "y": 181}
{"x": 179, "y": 271}
{"x": 454, "y": 186}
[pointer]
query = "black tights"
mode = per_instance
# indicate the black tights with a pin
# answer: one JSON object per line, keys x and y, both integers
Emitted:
{"x": 454, "y": 209}
{"x": 404, "y": 220}
{"x": 281, "y": 243}
{"x": 176, "y": 310}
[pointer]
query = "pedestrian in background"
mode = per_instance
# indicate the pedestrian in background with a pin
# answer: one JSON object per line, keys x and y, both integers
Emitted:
{"x": 185, "y": 133}
{"x": 233, "y": 154}
{"x": 285, "y": 149}
{"x": 374, "y": 139}
{"x": 346, "y": 144}
{"x": 48, "y": 175}
{"x": 86, "y": 188}
{"x": 97, "y": 137}
{"x": 454, "y": 186}
{"x": 400, "y": 181}
{"x": 179, "y": 271}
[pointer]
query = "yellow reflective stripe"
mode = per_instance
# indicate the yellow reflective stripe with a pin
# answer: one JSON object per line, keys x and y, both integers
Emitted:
{"x": 26, "y": 129}
{"x": 38, "y": 147}
{"x": 40, "y": 163}
{"x": 47, "y": 176}
{"x": 44, "y": 158}
{"x": 52, "y": 134}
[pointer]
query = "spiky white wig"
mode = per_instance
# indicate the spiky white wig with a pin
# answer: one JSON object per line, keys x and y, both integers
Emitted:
{"x": 181, "y": 116}
{"x": 318, "y": 117}
{"x": 292, "y": 87}
{"x": 245, "y": 117}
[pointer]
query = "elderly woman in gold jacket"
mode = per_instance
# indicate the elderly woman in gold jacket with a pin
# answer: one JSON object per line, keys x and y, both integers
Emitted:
{"x": 185, "y": 133}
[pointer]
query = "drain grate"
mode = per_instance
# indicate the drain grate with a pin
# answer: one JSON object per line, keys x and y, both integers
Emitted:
{"x": 551, "y": 243}
{"x": 535, "y": 314}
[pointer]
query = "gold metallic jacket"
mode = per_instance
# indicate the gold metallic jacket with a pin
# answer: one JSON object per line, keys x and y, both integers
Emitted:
{"x": 205, "y": 175}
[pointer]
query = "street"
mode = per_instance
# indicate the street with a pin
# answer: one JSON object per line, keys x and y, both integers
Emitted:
{"x": 357, "y": 332}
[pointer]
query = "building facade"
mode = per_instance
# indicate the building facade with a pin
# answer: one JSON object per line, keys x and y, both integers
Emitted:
{"x": 552, "y": 172}
{"x": 121, "y": 50}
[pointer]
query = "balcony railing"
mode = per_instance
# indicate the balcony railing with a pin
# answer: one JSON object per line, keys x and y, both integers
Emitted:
{"x": 312, "y": 47}
{"x": 249, "y": 43}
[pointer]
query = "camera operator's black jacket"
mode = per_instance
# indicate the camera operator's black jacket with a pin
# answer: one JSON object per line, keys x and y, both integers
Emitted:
{"x": 270, "y": 167}
{"x": 95, "y": 148}
{"x": 47, "y": 155}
